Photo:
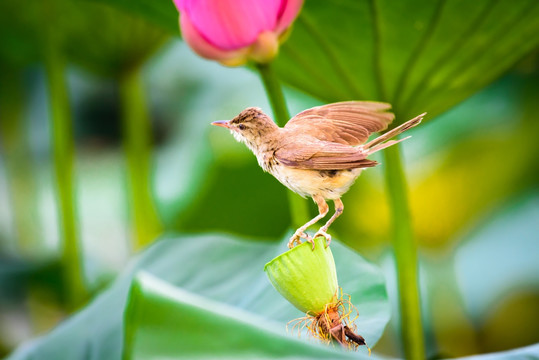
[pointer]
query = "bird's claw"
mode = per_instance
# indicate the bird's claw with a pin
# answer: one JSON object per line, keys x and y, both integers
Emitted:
{"x": 325, "y": 235}
{"x": 295, "y": 239}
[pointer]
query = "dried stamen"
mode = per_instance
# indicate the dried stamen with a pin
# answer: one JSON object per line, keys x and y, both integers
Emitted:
{"x": 334, "y": 323}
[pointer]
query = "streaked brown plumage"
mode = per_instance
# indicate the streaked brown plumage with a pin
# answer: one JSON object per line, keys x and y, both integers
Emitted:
{"x": 320, "y": 152}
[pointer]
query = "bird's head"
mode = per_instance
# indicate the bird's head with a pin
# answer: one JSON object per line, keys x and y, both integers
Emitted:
{"x": 251, "y": 127}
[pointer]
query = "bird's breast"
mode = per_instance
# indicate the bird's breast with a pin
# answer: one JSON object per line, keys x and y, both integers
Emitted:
{"x": 267, "y": 161}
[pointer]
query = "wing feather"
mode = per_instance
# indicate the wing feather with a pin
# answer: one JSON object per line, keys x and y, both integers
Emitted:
{"x": 347, "y": 123}
{"x": 315, "y": 154}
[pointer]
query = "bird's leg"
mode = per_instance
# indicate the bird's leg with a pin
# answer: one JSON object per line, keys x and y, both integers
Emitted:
{"x": 339, "y": 207}
{"x": 323, "y": 209}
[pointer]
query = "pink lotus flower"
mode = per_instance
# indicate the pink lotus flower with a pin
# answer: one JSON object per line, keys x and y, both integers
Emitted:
{"x": 234, "y": 31}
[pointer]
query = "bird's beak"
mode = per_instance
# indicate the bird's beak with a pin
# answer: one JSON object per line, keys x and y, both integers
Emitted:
{"x": 222, "y": 123}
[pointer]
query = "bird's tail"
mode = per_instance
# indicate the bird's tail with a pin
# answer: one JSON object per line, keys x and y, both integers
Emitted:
{"x": 382, "y": 141}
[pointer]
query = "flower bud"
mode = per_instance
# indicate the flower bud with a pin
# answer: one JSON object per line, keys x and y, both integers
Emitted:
{"x": 306, "y": 278}
{"x": 235, "y": 31}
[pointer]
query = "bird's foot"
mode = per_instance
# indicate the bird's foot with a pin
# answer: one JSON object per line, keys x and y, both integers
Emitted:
{"x": 324, "y": 234}
{"x": 296, "y": 238}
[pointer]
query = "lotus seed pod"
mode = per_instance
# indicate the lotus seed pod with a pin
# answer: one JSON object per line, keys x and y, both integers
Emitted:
{"x": 306, "y": 278}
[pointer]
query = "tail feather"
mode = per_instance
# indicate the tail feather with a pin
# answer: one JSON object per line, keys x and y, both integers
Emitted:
{"x": 381, "y": 141}
{"x": 385, "y": 145}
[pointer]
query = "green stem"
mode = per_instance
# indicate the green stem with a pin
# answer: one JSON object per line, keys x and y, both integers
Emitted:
{"x": 275, "y": 94}
{"x": 63, "y": 155}
{"x": 298, "y": 207}
{"x": 406, "y": 256}
{"x": 137, "y": 147}
{"x": 18, "y": 164}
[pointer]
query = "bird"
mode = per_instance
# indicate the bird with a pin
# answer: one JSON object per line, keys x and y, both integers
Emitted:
{"x": 320, "y": 152}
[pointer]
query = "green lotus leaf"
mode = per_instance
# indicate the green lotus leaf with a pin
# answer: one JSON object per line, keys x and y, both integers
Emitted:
{"x": 223, "y": 269}
{"x": 163, "y": 321}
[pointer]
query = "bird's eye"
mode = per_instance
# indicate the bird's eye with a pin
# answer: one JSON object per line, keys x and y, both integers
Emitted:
{"x": 241, "y": 127}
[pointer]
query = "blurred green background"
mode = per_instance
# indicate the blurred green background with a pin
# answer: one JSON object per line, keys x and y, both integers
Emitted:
{"x": 472, "y": 168}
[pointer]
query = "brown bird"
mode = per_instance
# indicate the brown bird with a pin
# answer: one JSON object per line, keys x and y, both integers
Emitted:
{"x": 320, "y": 152}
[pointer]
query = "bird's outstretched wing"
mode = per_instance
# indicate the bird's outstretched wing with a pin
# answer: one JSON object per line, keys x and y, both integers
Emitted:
{"x": 307, "y": 152}
{"x": 347, "y": 123}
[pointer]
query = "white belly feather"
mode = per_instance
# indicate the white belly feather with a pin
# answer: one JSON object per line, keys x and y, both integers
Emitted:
{"x": 313, "y": 182}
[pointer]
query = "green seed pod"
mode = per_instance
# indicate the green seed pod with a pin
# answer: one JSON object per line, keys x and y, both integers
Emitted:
{"x": 305, "y": 277}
